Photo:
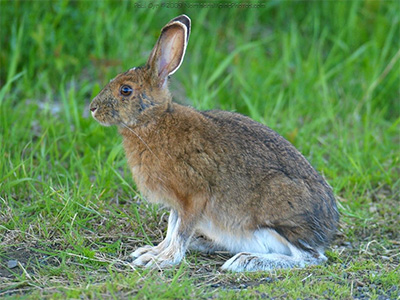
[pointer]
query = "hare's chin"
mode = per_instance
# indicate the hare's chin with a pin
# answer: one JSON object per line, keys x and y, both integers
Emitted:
{"x": 103, "y": 123}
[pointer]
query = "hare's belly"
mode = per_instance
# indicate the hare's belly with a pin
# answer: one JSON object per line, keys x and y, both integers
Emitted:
{"x": 259, "y": 241}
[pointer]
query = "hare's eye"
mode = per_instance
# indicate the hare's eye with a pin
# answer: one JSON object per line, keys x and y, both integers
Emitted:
{"x": 126, "y": 90}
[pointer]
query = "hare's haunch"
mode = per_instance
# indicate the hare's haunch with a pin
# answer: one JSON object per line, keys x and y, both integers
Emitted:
{"x": 232, "y": 184}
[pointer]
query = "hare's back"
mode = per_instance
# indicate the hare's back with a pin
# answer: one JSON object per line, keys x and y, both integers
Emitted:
{"x": 260, "y": 144}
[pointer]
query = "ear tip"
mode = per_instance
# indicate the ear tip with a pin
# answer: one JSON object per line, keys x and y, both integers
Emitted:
{"x": 184, "y": 19}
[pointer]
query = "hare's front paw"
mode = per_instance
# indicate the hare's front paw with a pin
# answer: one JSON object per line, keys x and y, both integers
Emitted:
{"x": 149, "y": 250}
{"x": 163, "y": 260}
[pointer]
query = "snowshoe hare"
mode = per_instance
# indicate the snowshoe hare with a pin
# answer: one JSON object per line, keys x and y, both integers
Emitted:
{"x": 232, "y": 184}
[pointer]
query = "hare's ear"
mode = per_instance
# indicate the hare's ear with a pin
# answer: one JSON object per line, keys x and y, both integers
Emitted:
{"x": 168, "y": 53}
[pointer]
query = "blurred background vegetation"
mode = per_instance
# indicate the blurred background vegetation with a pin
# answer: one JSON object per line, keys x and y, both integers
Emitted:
{"x": 324, "y": 74}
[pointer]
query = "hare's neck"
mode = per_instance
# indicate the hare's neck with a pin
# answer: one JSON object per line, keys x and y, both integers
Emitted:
{"x": 136, "y": 143}
{"x": 136, "y": 135}
{"x": 143, "y": 136}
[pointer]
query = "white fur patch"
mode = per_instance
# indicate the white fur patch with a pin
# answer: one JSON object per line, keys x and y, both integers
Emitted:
{"x": 251, "y": 262}
{"x": 169, "y": 252}
{"x": 260, "y": 241}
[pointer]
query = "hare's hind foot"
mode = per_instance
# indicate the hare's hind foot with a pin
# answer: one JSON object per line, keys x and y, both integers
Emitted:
{"x": 251, "y": 262}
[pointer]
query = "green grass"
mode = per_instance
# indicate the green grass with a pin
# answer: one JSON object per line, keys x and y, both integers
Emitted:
{"x": 325, "y": 75}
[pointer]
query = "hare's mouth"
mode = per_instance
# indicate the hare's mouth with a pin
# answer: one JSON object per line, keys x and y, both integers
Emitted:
{"x": 101, "y": 119}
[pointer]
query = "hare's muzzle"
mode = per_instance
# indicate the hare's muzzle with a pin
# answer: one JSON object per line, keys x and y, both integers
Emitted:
{"x": 93, "y": 107}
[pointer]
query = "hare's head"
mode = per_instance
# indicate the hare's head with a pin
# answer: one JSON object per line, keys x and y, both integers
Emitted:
{"x": 139, "y": 94}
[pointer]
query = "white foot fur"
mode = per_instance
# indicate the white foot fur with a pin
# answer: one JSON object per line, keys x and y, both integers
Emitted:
{"x": 144, "y": 250}
{"x": 169, "y": 257}
{"x": 250, "y": 262}
{"x": 169, "y": 252}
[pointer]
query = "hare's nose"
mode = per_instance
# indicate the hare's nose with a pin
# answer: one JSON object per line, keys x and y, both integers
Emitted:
{"x": 92, "y": 109}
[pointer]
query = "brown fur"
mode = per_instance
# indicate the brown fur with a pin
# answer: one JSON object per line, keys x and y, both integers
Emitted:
{"x": 217, "y": 165}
